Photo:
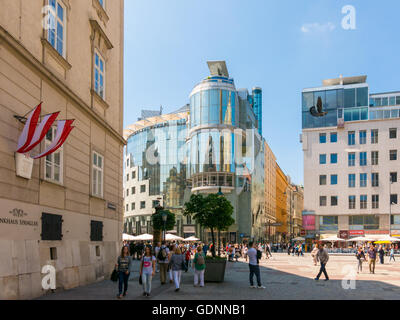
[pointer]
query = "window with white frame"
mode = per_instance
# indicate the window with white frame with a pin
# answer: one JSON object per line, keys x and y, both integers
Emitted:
{"x": 53, "y": 162}
{"x": 56, "y": 25}
{"x": 99, "y": 75}
{"x": 97, "y": 174}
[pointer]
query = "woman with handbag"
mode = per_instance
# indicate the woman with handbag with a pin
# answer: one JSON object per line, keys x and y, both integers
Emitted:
{"x": 177, "y": 264}
{"x": 123, "y": 266}
{"x": 147, "y": 270}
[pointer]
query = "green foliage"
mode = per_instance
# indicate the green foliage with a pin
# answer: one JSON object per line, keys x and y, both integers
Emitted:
{"x": 158, "y": 223}
{"x": 213, "y": 211}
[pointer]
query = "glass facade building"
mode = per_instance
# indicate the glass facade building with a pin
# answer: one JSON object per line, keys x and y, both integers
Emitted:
{"x": 160, "y": 153}
{"x": 347, "y": 102}
{"x": 257, "y": 95}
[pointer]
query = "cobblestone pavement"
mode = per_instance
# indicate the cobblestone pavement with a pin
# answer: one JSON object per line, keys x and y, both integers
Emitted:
{"x": 285, "y": 277}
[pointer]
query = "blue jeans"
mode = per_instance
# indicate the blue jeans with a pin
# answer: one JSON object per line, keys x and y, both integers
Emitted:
{"x": 146, "y": 279}
{"x": 255, "y": 270}
{"x": 123, "y": 279}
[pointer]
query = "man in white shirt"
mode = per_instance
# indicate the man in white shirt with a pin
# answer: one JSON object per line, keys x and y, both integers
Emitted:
{"x": 254, "y": 267}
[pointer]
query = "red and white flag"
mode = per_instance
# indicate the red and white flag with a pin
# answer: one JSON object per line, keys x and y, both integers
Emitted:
{"x": 29, "y": 130}
{"x": 42, "y": 130}
{"x": 64, "y": 128}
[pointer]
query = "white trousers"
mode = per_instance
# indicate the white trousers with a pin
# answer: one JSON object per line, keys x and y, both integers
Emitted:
{"x": 177, "y": 278}
{"x": 199, "y": 275}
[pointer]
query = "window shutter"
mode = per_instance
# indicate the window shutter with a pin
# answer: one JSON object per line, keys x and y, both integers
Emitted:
{"x": 51, "y": 227}
{"x": 96, "y": 231}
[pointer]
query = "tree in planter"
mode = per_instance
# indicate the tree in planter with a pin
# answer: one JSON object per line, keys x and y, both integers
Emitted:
{"x": 213, "y": 212}
{"x": 158, "y": 224}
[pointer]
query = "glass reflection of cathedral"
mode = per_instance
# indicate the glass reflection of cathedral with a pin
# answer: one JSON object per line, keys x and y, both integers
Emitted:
{"x": 213, "y": 143}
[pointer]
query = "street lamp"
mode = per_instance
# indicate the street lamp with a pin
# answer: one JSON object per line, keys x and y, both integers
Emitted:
{"x": 164, "y": 219}
{"x": 220, "y": 194}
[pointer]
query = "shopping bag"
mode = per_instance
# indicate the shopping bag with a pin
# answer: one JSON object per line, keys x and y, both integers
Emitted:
{"x": 114, "y": 276}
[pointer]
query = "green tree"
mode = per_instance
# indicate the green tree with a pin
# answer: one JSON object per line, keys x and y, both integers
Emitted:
{"x": 213, "y": 212}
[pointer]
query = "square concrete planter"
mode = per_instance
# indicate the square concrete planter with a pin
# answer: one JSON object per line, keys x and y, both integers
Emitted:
{"x": 215, "y": 270}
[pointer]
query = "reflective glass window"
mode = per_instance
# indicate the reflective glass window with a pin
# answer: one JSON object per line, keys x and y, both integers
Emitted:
{"x": 362, "y": 97}
{"x": 349, "y": 98}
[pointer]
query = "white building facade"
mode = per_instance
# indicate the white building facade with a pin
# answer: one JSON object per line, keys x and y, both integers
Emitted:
{"x": 350, "y": 160}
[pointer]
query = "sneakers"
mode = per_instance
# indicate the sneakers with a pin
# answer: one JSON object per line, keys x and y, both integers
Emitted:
{"x": 253, "y": 287}
{"x": 260, "y": 287}
{"x": 177, "y": 289}
{"x": 326, "y": 279}
{"x": 316, "y": 279}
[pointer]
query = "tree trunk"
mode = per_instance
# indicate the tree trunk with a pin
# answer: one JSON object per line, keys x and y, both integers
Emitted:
{"x": 213, "y": 242}
{"x": 219, "y": 243}
{"x": 157, "y": 237}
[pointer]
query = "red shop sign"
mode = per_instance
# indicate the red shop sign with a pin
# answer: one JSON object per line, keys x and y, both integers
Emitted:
{"x": 356, "y": 232}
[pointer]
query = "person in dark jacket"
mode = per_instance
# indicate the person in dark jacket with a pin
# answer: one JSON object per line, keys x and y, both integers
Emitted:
{"x": 381, "y": 252}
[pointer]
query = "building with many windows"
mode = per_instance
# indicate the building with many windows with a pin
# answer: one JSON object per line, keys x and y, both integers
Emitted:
{"x": 69, "y": 56}
{"x": 209, "y": 145}
{"x": 155, "y": 171}
{"x": 350, "y": 160}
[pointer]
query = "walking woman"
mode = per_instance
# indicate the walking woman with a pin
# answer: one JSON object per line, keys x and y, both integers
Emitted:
{"x": 199, "y": 267}
{"x": 147, "y": 270}
{"x": 361, "y": 258}
{"x": 123, "y": 267}
{"x": 176, "y": 264}
{"x": 392, "y": 254}
{"x": 170, "y": 253}
{"x": 314, "y": 254}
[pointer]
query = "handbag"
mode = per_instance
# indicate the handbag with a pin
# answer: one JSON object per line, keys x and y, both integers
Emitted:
{"x": 114, "y": 276}
{"x": 140, "y": 280}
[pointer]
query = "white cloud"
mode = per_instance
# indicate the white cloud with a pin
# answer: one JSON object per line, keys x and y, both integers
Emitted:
{"x": 317, "y": 27}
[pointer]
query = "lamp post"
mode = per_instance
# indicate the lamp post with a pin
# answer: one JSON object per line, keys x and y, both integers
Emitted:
{"x": 164, "y": 218}
{"x": 220, "y": 194}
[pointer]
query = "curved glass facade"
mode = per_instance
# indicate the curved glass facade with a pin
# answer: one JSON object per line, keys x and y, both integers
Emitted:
{"x": 160, "y": 153}
{"x": 213, "y": 107}
{"x": 212, "y": 151}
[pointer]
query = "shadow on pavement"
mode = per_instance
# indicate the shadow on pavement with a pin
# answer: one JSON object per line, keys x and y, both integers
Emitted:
{"x": 280, "y": 285}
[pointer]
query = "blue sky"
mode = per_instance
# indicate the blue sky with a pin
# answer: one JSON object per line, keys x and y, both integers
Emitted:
{"x": 281, "y": 46}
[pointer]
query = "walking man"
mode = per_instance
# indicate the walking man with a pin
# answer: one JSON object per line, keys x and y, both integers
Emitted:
{"x": 254, "y": 267}
{"x": 322, "y": 257}
{"x": 372, "y": 259}
{"x": 162, "y": 259}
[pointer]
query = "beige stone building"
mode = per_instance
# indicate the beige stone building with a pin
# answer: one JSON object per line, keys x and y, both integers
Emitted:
{"x": 69, "y": 55}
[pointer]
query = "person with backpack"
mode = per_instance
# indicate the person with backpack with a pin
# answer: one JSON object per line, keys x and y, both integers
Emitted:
{"x": 199, "y": 267}
{"x": 162, "y": 260}
{"x": 254, "y": 257}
